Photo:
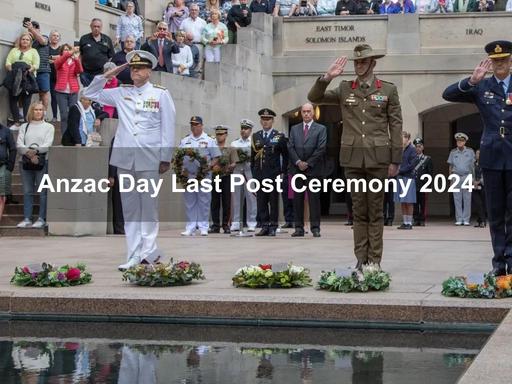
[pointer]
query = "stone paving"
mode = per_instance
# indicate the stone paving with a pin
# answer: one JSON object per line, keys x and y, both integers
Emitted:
{"x": 418, "y": 261}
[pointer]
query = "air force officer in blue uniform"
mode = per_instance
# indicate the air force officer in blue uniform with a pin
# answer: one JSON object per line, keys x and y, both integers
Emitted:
{"x": 493, "y": 97}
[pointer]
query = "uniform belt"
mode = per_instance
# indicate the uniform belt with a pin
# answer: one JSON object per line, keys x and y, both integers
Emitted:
{"x": 503, "y": 131}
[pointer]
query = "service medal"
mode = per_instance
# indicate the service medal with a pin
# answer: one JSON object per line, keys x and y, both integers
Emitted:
{"x": 509, "y": 99}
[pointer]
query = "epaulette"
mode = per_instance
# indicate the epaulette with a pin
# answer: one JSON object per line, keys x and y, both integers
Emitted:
{"x": 127, "y": 85}
{"x": 159, "y": 87}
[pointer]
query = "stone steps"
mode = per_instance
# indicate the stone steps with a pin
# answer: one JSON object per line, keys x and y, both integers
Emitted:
{"x": 13, "y": 231}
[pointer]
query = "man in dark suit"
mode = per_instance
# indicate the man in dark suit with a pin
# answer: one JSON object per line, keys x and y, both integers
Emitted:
{"x": 161, "y": 45}
{"x": 269, "y": 159}
{"x": 493, "y": 98}
{"x": 306, "y": 150}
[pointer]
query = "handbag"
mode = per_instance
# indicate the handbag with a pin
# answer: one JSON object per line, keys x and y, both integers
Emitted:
{"x": 27, "y": 163}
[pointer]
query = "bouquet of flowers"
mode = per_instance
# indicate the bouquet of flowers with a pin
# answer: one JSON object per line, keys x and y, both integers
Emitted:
{"x": 164, "y": 275}
{"x": 370, "y": 278}
{"x": 491, "y": 288}
{"x": 46, "y": 275}
{"x": 268, "y": 276}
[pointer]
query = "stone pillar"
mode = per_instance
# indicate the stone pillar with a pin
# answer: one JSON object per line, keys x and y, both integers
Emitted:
{"x": 81, "y": 213}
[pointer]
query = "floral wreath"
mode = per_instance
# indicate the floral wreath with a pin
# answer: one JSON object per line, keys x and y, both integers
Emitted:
{"x": 181, "y": 173}
{"x": 490, "y": 287}
{"x": 46, "y": 275}
{"x": 282, "y": 275}
{"x": 371, "y": 278}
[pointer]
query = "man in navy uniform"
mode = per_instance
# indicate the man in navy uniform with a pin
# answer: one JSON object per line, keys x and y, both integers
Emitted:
{"x": 493, "y": 97}
{"x": 268, "y": 146}
{"x": 142, "y": 148}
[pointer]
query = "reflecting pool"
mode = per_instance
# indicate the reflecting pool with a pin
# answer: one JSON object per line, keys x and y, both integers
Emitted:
{"x": 155, "y": 353}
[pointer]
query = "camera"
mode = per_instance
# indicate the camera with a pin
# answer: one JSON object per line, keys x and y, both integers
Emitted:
{"x": 26, "y": 20}
{"x": 303, "y": 3}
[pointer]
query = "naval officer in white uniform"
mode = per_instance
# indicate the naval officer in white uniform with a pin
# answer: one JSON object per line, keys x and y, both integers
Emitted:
{"x": 142, "y": 148}
{"x": 243, "y": 167}
{"x": 197, "y": 204}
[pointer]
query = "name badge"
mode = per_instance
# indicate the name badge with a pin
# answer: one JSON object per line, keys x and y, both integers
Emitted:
{"x": 380, "y": 98}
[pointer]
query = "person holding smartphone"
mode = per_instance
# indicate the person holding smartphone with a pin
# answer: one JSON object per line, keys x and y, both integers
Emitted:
{"x": 303, "y": 8}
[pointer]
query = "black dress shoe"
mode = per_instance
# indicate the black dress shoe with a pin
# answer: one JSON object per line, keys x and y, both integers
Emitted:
{"x": 227, "y": 231}
{"x": 272, "y": 232}
{"x": 404, "y": 226}
{"x": 287, "y": 225}
{"x": 263, "y": 232}
{"x": 258, "y": 225}
{"x": 498, "y": 272}
{"x": 298, "y": 233}
{"x": 388, "y": 223}
{"x": 316, "y": 232}
{"x": 214, "y": 230}
{"x": 349, "y": 222}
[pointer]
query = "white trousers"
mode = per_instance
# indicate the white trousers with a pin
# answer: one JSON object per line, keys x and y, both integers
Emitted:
{"x": 212, "y": 54}
{"x": 137, "y": 367}
{"x": 140, "y": 212}
{"x": 237, "y": 198}
{"x": 197, "y": 207}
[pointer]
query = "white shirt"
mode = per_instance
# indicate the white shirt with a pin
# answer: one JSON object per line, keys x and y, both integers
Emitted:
{"x": 194, "y": 26}
{"x": 145, "y": 133}
{"x": 39, "y": 135}
{"x": 183, "y": 57}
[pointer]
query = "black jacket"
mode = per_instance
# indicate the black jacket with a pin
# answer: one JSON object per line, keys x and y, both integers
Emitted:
{"x": 349, "y": 6}
{"x": 235, "y": 15}
{"x": 20, "y": 80}
{"x": 269, "y": 158}
{"x": 71, "y": 136}
{"x": 170, "y": 47}
{"x": 94, "y": 53}
{"x": 7, "y": 148}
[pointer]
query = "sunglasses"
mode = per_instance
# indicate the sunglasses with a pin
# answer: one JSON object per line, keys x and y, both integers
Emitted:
{"x": 195, "y": 124}
{"x": 162, "y": 29}
{"x": 21, "y": 55}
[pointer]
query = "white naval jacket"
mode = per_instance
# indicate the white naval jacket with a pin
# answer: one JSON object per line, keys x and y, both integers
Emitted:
{"x": 145, "y": 133}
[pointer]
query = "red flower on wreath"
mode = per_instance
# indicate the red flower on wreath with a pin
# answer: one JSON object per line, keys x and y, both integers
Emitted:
{"x": 26, "y": 269}
{"x": 265, "y": 267}
{"x": 73, "y": 274}
{"x": 183, "y": 265}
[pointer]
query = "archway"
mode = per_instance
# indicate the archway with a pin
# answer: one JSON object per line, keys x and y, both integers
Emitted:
{"x": 438, "y": 125}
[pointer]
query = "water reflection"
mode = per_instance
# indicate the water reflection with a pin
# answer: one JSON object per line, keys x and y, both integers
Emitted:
{"x": 101, "y": 361}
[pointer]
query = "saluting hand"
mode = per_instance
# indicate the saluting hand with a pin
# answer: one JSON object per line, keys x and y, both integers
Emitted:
{"x": 480, "y": 71}
{"x": 336, "y": 68}
{"x": 114, "y": 71}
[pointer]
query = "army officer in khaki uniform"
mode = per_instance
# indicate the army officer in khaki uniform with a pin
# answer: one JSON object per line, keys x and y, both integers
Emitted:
{"x": 371, "y": 143}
